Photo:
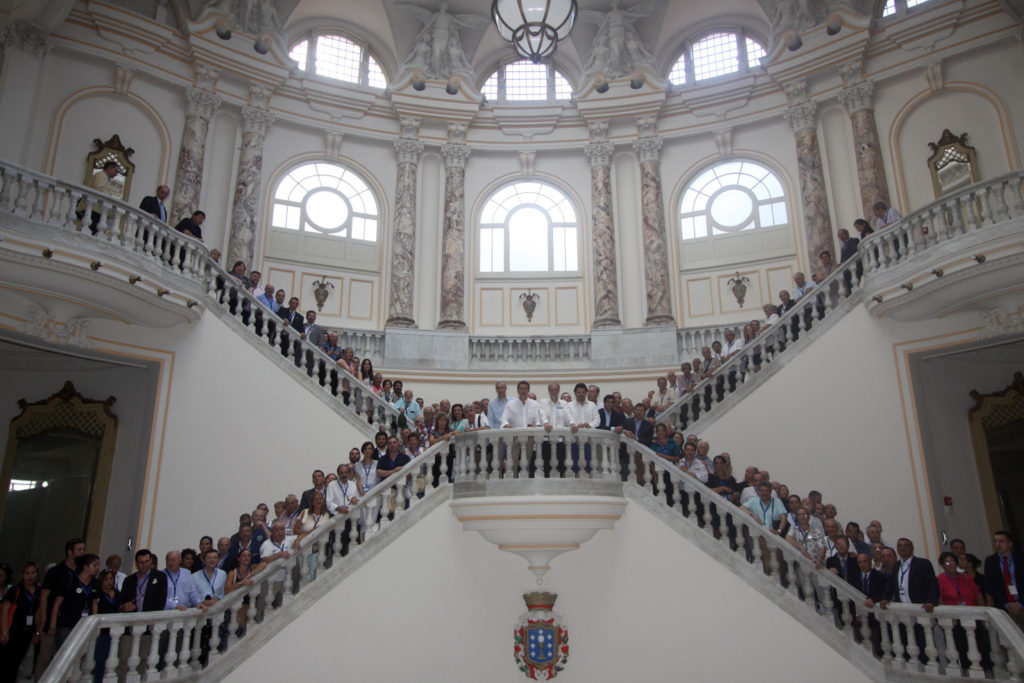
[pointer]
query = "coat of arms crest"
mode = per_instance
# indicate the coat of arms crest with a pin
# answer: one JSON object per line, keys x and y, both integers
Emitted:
{"x": 541, "y": 640}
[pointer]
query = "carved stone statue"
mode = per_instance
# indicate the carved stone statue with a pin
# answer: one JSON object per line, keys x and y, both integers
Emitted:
{"x": 801, "y": 15}
{"x": 255, "y": 17}
{"x": 617, "y": 49}
{"x": 438, "y": 48}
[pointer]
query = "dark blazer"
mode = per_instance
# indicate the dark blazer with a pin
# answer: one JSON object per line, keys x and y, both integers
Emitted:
{"x": 644, "y": 433}
{"x": 878, "y": 583}
{"x": 296, "y": 323}
{"x": 307, "y": 498}
{"x": 996, "y": 584}
{"x": 152, "y": 205}
{"x": 849, "y": 248}
{"x": 921, "y": 583}
{"x": 851, "y": 567}
{"x": 156, "y": 591}
{"x": 615, "y": 419}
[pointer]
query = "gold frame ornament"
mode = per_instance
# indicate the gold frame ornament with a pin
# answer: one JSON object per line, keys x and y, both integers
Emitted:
{"x": 112, "y": 150}
{"x": 953, "y": 164}
{"x": 68, "y": 410}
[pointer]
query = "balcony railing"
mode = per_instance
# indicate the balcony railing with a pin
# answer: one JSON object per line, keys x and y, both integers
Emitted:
{"x": 903, "y": 640}
{"x": 553, "y": 349}
{"x": 974, "y": 208}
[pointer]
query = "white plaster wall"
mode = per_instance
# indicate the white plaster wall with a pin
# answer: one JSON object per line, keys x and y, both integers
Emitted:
{"x": 832, "y": 420}
{"x": 439, "y": 603}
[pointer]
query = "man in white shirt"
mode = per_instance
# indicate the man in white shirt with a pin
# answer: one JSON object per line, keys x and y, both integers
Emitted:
{"x": 732, "y": 345}
{"x": 277, "y": 546}
{"x": 801, "y": 285}
{"x": 582, "y": 414}
{"x": 552, "y": 409}
{"x": 521, "y": 411}
{"x": 663, "y": 398}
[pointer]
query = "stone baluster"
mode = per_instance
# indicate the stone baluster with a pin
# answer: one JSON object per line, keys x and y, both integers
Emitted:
{"x": 453, "y": 270}
{"x": 606, "y": 286}
{"x": 656, "y": 276}
{"x": 802, "y": 119}
{"x": 200, "y": 107}
{"x": 857, "y": 100}
{"x": 242, "y": 245}
{"x": 403, "y": 242}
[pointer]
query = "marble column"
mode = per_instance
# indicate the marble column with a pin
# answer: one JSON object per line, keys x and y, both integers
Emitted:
{"x": 802, "y": 119}
{"x": 857, "y": 100}
{"x": 200, "y": 106}
{"x": 403, "y": 240}
{"x": 606, "y": 283}
{"x": 656, "y": 274}
{"x": 453, "y": 269}
{"x": 244, "y": 211}
{"x": 24, "y": 47}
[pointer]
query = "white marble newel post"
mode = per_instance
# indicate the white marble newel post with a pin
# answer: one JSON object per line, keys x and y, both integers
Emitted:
{"x": 453, "y": 275}
{"x": 857, "y": 100}
{"x": 244, "y": 211}
{"x": 802, "y": 119}
{"x": 200, "y": 106}
{"x": 403, "y": 241}
{"x": 656, "y": 275}
{"x": 606, "y": 284}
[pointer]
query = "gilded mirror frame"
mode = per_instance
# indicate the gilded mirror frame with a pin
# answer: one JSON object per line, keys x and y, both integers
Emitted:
{"x": 990, "y": 412}
{"x": 69, "y": 410}
{"x": 111, "y": 150}
{"x": 949, "y": 152}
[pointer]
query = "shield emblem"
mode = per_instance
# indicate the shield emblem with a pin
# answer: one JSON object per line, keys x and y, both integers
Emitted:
{"x": 541, "y": 644}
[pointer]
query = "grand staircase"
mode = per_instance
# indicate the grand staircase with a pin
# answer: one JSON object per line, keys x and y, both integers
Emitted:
{"x": 39, "y": 206}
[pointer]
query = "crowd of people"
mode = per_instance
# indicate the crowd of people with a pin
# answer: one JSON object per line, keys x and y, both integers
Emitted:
{"x": 45, "y": 612}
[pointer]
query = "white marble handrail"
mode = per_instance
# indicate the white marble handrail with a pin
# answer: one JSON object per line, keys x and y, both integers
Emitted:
{"x": 54, "y": 202}
{"x": 692, "y": 339}
{"x": 199, "y": 639}
{"x": 826, "y": 603}
{"x": 561, "y": 348}
{"x": 347, "y": 391}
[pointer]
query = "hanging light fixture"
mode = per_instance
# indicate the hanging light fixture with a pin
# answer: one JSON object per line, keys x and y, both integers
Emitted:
{"x": 534, "y": 27}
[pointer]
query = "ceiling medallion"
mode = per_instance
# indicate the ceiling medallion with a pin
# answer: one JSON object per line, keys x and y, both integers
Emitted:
{"x": 534, "y": 27}
{"x": 541, "y": 647}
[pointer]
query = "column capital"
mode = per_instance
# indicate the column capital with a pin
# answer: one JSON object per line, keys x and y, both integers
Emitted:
{"x": 801, "y": 116}
{"x": 456, "y": 133}
{"x": 205, "y": 77}
{"x": 24, "y": 36}
{"x": 648, "y": 147}
{"x": 598, "y": 131}
{"x": 599, "y": 153}
{"x": 201, "y": 103}
{"x": 857, "y": 96}
{"x": 408, "y": 150}
{"x": 410, "y": 127}
{"x": 256, "y": 120}
{"x": 455, "y": 155}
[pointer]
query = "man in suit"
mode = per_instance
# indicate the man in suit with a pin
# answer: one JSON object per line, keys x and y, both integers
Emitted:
{"x": 146, "y": 589}
{"x": 311, "y": 331}
{"x": 611, "y": 419}
{"x": 154, "y": 204}
{"x": 638, "y": 427}
{"x": 848, "y": 245}
{"x": 843, "y": 563}
{"x": 1004, "y": 574}
{"x": 872, "y": 583}
{"x": 912, "y": 581}
{"x": 291, "y": 315}
{"x": 319, "y": 484}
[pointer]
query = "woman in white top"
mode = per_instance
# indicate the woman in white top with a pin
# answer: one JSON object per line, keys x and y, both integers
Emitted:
{"x": 366, "y": 469}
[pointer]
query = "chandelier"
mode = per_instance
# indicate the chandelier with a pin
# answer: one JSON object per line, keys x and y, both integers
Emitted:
{"x": 534, "y": 27}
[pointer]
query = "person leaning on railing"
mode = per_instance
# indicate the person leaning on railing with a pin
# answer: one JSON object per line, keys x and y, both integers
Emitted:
{"x": 100, "y": 182}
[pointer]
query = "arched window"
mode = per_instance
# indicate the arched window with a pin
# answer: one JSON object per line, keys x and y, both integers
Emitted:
{"x": 899, "y": 7}
{"x": 524, "y": 81}
{"x": 718, "y": 53}
{"x": 731, "y": 197}
{"x": 529, "y": 227}
{"x": 333, "y": 55}
{"x": 325, "y": 199}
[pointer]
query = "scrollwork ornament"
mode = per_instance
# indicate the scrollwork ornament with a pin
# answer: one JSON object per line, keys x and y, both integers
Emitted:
{"x": 801, "y": 116}
{"x": 408, "y": 151}
{"x": 201, "y": 103}
{"x": 648, "y": 148}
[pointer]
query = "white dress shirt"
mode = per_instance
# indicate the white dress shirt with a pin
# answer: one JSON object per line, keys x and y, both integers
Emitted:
{"x": 339, "y": 495}
{"x": 521, "y": 413}
{"x": 583, "y": 413}
{"x": 553, "y": 412}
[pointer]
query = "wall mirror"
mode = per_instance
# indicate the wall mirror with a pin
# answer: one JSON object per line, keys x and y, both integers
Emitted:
{"x": 112, "y": 150}
{"x": 56, "y": 475}
{"x": 953, "y": 164}
{"x": 997, "y": 434}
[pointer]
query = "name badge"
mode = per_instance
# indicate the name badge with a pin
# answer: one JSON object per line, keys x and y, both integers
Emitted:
{"x": 29, "y": 620}
{"x": 1013, "y": 591}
